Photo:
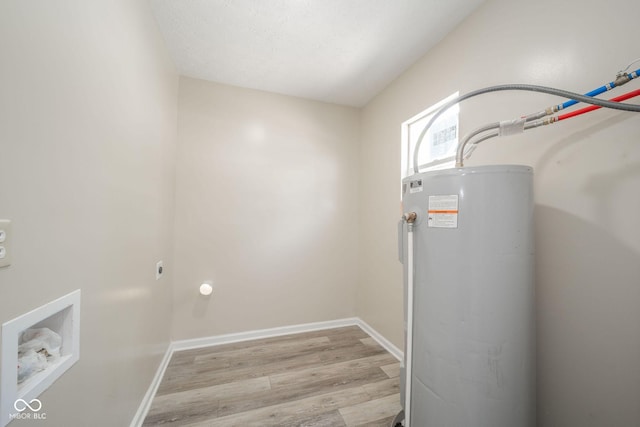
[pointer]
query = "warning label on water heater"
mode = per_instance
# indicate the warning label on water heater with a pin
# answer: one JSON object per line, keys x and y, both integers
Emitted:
{"x": 415, "y": 186}
{"x": 443, "y": 211}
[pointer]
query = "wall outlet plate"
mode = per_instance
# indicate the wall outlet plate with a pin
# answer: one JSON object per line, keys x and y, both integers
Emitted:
{"x": 5, "y": 243}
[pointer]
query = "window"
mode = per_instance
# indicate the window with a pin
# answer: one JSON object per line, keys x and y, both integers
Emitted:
{"x": 438, "y": 149}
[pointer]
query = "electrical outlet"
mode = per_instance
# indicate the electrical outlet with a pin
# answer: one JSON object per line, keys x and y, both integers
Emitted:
{"x": 5, "y": 243}
{"x": 159, "y": 270}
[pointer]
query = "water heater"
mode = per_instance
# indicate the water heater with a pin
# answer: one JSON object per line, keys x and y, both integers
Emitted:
{"x": 469, "y": 304}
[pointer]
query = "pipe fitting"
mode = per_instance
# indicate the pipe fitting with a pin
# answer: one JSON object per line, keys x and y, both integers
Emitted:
{"x": 410, "y": 217}
{"x": 621, "y": 78}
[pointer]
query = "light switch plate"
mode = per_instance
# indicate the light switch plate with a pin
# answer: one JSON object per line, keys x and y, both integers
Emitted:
{"x": 5, "y": 243}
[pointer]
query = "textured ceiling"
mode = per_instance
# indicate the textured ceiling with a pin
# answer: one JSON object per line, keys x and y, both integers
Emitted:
{"x": 338, "y": 51}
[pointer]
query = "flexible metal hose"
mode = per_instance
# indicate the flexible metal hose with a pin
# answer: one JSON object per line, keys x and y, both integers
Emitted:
{"x": 523, "y": 87}
{"x": 465, "y": 150}
{"x": 467, "y": 147}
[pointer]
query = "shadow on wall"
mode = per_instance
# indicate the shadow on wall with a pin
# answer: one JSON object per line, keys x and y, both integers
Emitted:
{"x": 588, "y": 317}
{"x": 200, "y": 306}
{"x": 603, "y": 186}
{"x": 579, "y": 137}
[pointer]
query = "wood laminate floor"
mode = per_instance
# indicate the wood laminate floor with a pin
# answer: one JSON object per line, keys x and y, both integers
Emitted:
{"x": 332, "y": 378}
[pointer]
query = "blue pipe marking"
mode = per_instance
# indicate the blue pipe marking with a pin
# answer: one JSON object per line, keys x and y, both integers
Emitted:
{"x": 597, "y": 91}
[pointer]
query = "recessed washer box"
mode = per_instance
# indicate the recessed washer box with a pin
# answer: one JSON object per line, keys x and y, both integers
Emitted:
{"x": 62, "y": 316}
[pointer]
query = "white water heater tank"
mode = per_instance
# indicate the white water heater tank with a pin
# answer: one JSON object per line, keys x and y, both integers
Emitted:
{"x": 473, "y": 358}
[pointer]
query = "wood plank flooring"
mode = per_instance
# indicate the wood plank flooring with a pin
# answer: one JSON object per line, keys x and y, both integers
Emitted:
{"x": 332, "y": 378}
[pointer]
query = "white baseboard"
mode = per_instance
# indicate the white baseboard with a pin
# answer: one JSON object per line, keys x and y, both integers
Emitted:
{"x": 247, "y": 336}
{"x": 385, "y": 343}
{"x": 261, "y": 333}
{"x": 143, "y": 409}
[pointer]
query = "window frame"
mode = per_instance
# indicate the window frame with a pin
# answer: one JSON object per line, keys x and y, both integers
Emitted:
{"x": 419, "y": 121}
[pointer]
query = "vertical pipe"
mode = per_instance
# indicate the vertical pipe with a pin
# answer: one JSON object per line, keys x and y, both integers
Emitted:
{"x": 408, "y": 357}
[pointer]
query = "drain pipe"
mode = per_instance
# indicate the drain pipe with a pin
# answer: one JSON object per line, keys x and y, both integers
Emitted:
{"x": 410, "y": 218}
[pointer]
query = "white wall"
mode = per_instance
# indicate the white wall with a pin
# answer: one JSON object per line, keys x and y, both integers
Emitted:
{"x": 87, "y": 139}
{"x": 587, "y": 175}
{"x": 266, "y": 208}
{"x": 87, "y": 132}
